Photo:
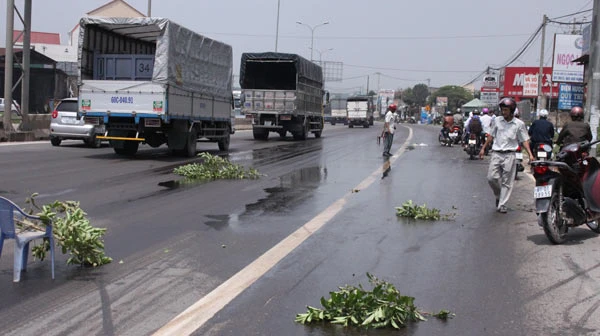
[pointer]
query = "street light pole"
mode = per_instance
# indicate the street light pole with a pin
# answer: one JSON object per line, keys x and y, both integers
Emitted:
{"x": 321, "y": 52}
{"x": 312, "y": 35}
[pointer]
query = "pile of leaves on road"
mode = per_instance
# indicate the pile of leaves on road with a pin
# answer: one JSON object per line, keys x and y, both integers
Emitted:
{"x": 71, "y": 230}
{"x": 409, "y": 209}
{"x": 214, "y": 167}
{"x": 381, "y": 307}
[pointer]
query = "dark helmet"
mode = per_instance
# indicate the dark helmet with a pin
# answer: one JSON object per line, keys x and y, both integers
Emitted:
{"x": 508, "y": 102}
{"x": 392, "y": 107}
{"x": 475, "y": 112}
{"x": 576, "y": 113}
{"x": 448, "y": 113}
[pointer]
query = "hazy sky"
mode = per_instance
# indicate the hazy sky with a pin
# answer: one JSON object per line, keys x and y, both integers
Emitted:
{"x": 407, "y": 42}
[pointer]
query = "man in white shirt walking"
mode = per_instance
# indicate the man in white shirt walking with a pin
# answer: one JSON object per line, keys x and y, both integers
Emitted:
{"x": 506, "y": 132}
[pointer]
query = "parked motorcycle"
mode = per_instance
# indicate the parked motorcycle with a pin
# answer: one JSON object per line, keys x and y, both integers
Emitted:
{"x": 566, "y": 193}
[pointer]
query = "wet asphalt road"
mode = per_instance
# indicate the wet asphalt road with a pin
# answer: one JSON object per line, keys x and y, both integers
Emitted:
{"x": 174, "y": 243}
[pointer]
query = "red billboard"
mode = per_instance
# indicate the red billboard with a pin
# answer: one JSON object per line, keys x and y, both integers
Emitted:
{"x": 513, "y": 78}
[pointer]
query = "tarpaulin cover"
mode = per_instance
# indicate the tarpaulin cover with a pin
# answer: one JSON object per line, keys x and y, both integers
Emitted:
{"x": 182, "y": 58}
{"x": 304, "y": 68}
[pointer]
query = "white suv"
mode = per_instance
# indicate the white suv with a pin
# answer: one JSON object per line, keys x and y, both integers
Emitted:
{"x": 66, "y": 125}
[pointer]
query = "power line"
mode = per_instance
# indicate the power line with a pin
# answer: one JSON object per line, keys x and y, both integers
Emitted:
{"x": 572, "y": 14}
{"x": 437, "y": 37}
{"x": 407, "y": 70}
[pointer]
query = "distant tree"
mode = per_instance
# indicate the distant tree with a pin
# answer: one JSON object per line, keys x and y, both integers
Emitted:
{"x": 420, "y": 93}
{"x": 457, "y": 96}
{"x": 477, "y": 94}
{"x": 372, "y": 93}
{"x": 407, "y": 96}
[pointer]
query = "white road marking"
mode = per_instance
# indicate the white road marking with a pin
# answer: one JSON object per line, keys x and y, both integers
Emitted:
{"x": 194, "y": 317}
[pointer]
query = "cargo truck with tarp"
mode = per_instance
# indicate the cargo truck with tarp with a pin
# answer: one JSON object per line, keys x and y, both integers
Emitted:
{"x": 150, "y": 80}
{"x": 339, "y": 114}
{"x": 282, "y": 93}
{"x": 359, "y": 111}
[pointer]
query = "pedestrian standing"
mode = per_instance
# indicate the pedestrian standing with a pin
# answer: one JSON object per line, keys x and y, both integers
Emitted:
{"x": 388, "y": 129}
{"x": 506, "y": 133}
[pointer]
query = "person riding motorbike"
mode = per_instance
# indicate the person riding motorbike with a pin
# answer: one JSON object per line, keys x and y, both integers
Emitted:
{"x": 541, "y": 131}
{"x": 475, "y": 126}
{"x": 447, "y": 126}
{"x": 576, "y": 130}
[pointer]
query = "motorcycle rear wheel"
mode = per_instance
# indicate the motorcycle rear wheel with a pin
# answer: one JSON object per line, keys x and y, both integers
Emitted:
{"x": 593, "y": 225}
{"x": 554, "y": 228}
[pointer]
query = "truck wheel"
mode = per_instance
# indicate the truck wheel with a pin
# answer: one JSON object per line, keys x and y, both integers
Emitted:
{"x": 129, "y": 148}
{"x": 366, "y": 125}
{"x": 260, "y": 134}
{"x": 190, "y": 144}
{"x": 282, "y": 133}
{"x": 55, "y": 141}
{"x": 224, "y": 142}
{"x": 318, "y": 134}
{"x": 350, "y": 125}
{"x": 302, "y": 135}
{"x": 333, "y": 123}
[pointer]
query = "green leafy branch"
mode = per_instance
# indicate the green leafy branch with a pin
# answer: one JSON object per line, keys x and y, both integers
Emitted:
{"x": 71, "y": 230}
{"x": 214, "y": 168}
{"x": 409, "y": 209}
{"x": 382, "y": 307}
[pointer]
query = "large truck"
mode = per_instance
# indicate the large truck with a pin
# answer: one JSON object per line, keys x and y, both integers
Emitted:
{"x": 150, "y": 80}
{"x": 282, "y": 93}
{"x": 359, "y": 111}
{"x": 339, "y": 113}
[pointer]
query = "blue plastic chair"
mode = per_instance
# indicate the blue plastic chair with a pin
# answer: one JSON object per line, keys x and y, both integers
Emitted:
{"x": 8, "y": 211}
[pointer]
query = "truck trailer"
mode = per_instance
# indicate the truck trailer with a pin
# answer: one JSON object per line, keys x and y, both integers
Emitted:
{"x": 359, "y": 111}
{"x": 282, "y": 93}
{"x": 150, "y": 80}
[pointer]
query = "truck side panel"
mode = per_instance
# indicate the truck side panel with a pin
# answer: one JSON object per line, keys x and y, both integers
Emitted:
{"x": 184, "y": 104}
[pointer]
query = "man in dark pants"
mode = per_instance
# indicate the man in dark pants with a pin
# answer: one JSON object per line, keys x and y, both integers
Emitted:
{"x": 388, "y": 129}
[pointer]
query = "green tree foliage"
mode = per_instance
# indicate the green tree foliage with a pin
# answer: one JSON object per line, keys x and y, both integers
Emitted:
{"x": 420, "y": 93}
{"x": 457, "y": 95}
{"x": 408, "y": 97}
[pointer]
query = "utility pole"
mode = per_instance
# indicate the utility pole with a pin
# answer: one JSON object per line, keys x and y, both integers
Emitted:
{"x": 540, "y": 97}
{"x": 8, "y": 65}
{"x": 149, "y": 8}
{"x": 378, "y": 78}
{"x": 593, "y": 90}
{"x": 367, "y": 85}
{"x": 26, "y": 68}
{"x": 277, "y": 27}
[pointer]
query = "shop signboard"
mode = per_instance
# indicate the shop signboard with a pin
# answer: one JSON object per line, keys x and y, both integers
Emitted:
{"x": 570, "y": 95}
{"x": 566, "y": 49}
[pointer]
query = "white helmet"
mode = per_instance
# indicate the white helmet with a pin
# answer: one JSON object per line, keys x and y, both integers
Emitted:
{"x": 543, "y": 113}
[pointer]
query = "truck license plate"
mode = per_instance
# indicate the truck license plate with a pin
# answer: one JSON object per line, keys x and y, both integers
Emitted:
{"x": 542, "y": 191}
{"x": 519, "y": 156}
{"x": 100, "y": 129}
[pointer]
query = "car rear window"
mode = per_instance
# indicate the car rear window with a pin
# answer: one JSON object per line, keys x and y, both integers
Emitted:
{"x": 67, "y": 106}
